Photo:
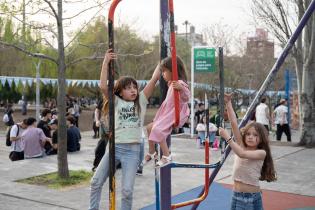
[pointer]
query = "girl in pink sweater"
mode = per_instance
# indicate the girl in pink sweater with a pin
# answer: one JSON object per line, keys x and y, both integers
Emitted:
{"x": 163, "y": 123}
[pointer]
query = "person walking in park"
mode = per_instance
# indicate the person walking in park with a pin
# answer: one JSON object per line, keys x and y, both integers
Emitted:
{"x": 163, "y": 123}
{"x": 130, "y": 108}
{"x": 8, "y": 116}
{"x": 77, "y": 110}
{"x": 96, "y": 129}
{"x": 262, "y": 114}
{"x": 24, "y": 106}
{"x": 281, "y": 120}
{"x": 252, "y": 163}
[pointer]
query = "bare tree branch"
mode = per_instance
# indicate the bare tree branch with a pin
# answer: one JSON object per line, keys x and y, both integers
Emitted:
{"x": 52, "y": 9}
{"x": 36, "y": 55}
{"x": 284, "y": 18}
{"x": 88, "y": 22}
{"x": 267, "y": 11}
{"x": 93, "y": 57}
{"x": 39, "y": 26}
{"x": 82, "y": 11}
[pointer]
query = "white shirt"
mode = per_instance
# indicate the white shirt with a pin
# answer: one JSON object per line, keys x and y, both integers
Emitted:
{"x": 281, "y": 114}
{"x": 261, "y": 114}
{"x": 18, "y": 144}
{"x": 128, "y": 124}
{"x": 202, "y": 127}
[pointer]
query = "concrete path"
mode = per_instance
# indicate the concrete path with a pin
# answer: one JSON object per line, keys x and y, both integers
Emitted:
{"x": 295, "y": 168}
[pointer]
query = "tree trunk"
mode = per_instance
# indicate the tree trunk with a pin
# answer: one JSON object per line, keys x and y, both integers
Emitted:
{"x": 308, "y": 107}
{"x": 308, "y": 89}
{"x": 63, "y": 170}
{"x": 299, "y": 62}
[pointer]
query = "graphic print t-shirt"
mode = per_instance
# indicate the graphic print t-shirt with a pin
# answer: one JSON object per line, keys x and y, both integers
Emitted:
{"x": 127, "y": 121}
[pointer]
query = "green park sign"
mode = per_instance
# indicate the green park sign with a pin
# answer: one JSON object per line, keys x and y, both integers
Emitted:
{"x": 204, "y": 59}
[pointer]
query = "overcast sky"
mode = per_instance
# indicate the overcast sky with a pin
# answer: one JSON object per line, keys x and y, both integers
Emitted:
{"x": 143, "y": 15}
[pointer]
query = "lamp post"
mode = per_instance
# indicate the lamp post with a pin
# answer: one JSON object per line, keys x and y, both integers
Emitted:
{"x": 186, "y": 23}
{"x": 37, "y": 66}
{"x": 250, "y": 87}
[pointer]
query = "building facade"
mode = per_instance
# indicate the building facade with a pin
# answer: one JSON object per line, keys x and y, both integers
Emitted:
{"x": 259, "y": 46}
{"x": 193, "y": 38}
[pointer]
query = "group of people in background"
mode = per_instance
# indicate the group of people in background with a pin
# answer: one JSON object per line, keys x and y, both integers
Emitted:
{"x": 32, "y": 139}
{"x": 278, "y": 118}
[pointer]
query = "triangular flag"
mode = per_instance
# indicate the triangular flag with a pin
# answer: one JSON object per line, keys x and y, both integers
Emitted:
{"x": 10, "y": 82}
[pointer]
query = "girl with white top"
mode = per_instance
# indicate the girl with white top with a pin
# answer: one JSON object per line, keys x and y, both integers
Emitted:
{"x": 253, "y": 161}
{"x": 130, "y": 108}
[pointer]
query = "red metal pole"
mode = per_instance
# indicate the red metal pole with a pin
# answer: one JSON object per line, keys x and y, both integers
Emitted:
{"x": 206, "y": 186}
{"x": 174, "y": 61}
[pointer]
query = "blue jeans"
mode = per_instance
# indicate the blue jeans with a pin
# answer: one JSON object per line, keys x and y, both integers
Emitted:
{"x": 128, "y": 156}
{"x": 246, "y": 201}
{"x": 211, "y": 137}
{"x": 141, "y": 154}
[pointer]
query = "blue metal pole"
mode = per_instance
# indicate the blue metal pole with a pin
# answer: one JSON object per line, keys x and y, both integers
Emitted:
{"x": 267, "y": 82}
{"x": 287, "y": 92}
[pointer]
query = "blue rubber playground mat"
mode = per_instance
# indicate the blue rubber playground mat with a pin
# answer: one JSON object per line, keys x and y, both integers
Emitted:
{"x": 219, "y": 198}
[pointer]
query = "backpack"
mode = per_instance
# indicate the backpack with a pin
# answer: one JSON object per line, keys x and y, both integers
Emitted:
{"x": 8, "y": 141}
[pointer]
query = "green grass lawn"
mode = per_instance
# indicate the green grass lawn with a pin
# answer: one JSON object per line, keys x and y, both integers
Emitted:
{"x": 51, "y": 180}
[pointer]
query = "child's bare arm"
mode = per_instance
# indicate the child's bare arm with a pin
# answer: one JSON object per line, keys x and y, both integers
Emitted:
{"x": 104, "y": 73}
{"x": 258, "y": 154}
{"x": 183, "y": 90}
{"x": 149, "y": 88}
{"x": 232, "y": 118}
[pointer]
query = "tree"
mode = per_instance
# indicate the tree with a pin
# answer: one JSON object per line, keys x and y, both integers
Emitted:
{"x": 52, "y": 24}
{"x": 276, "y": 15}
{"x": 136, "y": 56}
{"x": 220, "y": 35}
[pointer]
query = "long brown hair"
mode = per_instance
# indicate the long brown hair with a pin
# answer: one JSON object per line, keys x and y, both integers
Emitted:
{"x": 268, "y": 172}
{"x": 121, "y": 84}
{"x": 167, "y": 63}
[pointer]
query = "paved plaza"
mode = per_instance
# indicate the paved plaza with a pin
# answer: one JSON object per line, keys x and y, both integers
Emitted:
{"x": 295, "y": 168}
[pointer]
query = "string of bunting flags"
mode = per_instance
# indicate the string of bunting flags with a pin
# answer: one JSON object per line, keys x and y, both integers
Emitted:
{"x": 94, "y": 83}
{"x": 46, "y": 81}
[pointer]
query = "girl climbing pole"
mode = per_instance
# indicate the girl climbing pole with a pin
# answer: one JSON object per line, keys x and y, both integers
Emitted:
{"x": 130, "y": 107}
{"x": 164, "y": 120}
